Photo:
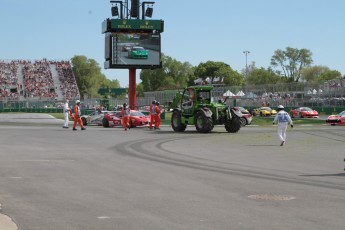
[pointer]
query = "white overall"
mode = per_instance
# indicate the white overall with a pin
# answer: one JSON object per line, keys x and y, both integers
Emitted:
{"x": 283, "y": 119}
{"x": 66, "y": 114}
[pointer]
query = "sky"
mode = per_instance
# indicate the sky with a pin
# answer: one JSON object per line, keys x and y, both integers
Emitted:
{"x": 195, "y": 31}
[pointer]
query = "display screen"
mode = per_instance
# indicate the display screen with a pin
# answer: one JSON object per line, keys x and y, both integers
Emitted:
{"x": 128, "y": 50}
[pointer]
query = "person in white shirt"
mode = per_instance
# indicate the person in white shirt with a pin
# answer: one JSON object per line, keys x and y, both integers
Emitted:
{"x": 66, "y": 110}
{"x": 283, "y": 119}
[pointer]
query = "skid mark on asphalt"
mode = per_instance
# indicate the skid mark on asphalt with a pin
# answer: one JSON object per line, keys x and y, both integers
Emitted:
{"x": 152, "y": 150}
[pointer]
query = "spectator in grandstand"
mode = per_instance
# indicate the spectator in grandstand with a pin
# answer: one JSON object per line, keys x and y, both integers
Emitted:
{"x": 9, "y": 85}
{"x": 38, "y": 80}
{"x": 66, "y": 110}
{"x": 68, "y": 84}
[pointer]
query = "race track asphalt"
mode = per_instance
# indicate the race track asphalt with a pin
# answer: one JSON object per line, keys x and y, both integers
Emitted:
{"x": 108, "y": 178}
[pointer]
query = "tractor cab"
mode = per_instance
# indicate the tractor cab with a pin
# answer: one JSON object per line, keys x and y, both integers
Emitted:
{"x": 194, "y": 98}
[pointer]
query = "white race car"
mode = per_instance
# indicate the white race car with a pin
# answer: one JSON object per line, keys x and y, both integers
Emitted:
{"x": 94, "y": 118}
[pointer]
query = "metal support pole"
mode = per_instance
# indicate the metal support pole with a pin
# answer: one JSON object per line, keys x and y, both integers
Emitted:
{"x": 132, "y": 89}
{"x": 246, "y": 52}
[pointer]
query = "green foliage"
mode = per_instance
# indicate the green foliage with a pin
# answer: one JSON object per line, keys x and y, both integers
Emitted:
{"x": 176, "y": 75}
{"x": 262, "y": 76}
{"x": 311, "y": 74}
{"x": 221, "y": 70}
{"x": 329, "y": 75}
{"x": 317, "y": 74}
{"x": 267, "y": 121}
{"x": 291, "y": 61}
{"x": 292, "y": 65}
{"x": 89, "y": 77}
{"x": 172, "y": 75}
{"x": 140, "y": 90}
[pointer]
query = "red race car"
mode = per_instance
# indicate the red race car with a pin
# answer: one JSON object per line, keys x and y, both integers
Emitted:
{"x": 338, "y": 119}
{"x": 111, "y": 120}
{"x": 303, "y": 112}
{"x": 136, "y": 119}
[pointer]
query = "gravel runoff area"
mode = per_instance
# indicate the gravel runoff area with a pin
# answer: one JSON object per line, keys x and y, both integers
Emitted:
{"x": 55, "y": 178}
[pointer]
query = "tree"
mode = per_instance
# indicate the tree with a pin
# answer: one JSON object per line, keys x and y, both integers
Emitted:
{"x": 311, "y": 74}
{"x": 89, "y": 77}
{"x": 172, "y": 75}
{"x": 319, "y": 74}
{"x": 291, "y": 61}
{"x": 218, "y": 72}
{"x": 152, "y": 79}
{"x": 231, "y": 77}
{"x": 262, "y": 76}
{"x": 329, "y": 75}
{"x": 140, "y": 90}
{"x": 246, "y": 71}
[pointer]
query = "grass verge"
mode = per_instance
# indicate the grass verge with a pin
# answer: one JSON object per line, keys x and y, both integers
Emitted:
{"x": 265, "y": 121}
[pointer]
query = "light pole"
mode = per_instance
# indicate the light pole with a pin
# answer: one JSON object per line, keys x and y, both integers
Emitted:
{"x": 246, "y": 52}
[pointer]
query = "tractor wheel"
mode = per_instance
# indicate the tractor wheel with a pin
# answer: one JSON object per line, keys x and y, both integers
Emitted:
{"x": 105, "y": 123}
{"x": 233, "y": 125}
{"x": 203, "y": 124}
{"x": 176, "y": 122}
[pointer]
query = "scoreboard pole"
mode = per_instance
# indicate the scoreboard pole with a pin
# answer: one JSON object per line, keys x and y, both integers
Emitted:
{"x": 132, "y": 89}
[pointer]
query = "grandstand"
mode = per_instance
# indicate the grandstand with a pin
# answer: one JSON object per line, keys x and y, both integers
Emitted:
{"x": 43, "y": 80}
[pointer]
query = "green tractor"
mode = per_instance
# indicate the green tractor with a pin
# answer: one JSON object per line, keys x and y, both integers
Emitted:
{"x": 194, "y": 106}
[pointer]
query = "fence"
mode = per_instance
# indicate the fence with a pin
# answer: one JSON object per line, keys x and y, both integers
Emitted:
{"x": 329, "y": 97}
{"x": 330, "y": 94}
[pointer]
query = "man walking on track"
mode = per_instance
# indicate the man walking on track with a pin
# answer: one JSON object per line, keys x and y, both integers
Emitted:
{"x": 77, "y": 114}
{"x": 157, "y": 116}
{"x": 66, "y": 111}
{"x": 283, "y": 119}
{"x": 125, "y": 113}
